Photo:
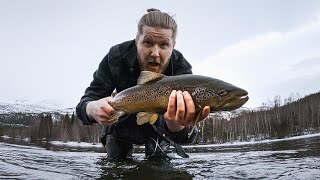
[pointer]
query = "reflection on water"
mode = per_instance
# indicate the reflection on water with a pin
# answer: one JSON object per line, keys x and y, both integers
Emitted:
{"x": 294, "y": 159}
{"x": 138, "y": 167}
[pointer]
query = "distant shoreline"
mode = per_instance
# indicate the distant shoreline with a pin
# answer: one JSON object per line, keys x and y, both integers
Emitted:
{"x": 99, "y": 145}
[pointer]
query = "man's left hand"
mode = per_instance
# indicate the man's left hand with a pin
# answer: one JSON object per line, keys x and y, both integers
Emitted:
{"x": 181, "y": 111}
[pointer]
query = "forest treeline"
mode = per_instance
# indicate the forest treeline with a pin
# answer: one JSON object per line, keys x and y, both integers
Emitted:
{"x": 46, "y": 128}
{"x": 280, "y": 118}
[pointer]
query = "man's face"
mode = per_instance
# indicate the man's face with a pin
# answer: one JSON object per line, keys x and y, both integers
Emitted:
{"x": 155, "y": 46}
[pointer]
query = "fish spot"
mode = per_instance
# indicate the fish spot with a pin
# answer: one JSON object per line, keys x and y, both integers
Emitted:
{"x": 199, "y": 94}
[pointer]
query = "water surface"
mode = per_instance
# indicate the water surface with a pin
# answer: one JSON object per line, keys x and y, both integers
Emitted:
{"x": 294, "y": 159}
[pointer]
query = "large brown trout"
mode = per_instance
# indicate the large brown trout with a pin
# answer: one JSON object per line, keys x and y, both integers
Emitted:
{"x": 151, "y": 96}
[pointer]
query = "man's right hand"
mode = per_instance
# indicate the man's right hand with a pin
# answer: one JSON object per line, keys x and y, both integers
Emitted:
{"x": 101, "y": 111}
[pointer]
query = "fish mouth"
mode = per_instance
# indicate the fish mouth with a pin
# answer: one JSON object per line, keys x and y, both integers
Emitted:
{"x": 234, "y": 102}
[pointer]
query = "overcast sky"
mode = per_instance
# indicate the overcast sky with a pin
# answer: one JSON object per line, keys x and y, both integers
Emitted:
{"x": 49, "y": 49}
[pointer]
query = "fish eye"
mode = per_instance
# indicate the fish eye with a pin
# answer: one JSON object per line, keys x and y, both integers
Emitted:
{"x": 222, "y": 93}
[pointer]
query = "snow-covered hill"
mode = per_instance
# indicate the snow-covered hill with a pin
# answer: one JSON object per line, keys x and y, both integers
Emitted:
{"x": 229, "y": 114}
{"x": 51, "y": 106}
{"x": 24, "y": 106}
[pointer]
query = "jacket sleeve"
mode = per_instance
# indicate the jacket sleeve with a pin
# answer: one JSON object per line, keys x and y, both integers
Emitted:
{"x": 101, "y": 86}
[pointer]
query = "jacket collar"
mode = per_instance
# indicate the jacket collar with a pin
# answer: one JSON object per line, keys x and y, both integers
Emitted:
{"x": 130, "y": 57}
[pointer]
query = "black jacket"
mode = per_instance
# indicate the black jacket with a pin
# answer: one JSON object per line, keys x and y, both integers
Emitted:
{"x": 120, "y": 69}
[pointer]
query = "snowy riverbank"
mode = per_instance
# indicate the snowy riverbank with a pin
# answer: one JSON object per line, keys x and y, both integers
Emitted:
{"x": 99, "y": 145}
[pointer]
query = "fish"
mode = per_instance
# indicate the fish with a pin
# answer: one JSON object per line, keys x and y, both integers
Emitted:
{"x": 150, "y": 96}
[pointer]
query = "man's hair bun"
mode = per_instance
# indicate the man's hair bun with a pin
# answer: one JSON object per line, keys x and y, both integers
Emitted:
{"x": 153, "y": 10}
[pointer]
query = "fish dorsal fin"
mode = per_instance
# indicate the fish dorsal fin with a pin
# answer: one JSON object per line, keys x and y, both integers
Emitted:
{"x": 147, "y": 76}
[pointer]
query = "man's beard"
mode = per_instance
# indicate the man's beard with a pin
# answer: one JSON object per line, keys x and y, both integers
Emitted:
{"x": 144, "y": 65}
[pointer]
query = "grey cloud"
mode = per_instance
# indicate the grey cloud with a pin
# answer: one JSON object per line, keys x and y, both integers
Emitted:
{"x": 305, "y": 64}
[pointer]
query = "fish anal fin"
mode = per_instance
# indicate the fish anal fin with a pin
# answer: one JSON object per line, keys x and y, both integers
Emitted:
{"x": 147, "y": 76}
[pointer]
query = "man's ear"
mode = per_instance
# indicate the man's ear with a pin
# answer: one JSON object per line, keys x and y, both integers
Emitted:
{"x": 137, "y": 37}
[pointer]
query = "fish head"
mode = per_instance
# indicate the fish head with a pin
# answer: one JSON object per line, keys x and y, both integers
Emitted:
{"x": 225, "y": 96}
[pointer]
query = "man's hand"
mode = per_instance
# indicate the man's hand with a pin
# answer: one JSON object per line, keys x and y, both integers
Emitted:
{"x": 181, "y": 111}
{"x": 101, "y": 111}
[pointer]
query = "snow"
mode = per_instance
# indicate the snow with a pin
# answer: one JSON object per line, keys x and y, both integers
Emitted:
{"x": 84, "y": 144}
{"x": 23, "y": 139}
{"x": 254, "y": 142}
{"x": 6, "y": 137}
{"x": 75, "y": 144}
{"x": 27, "y": 106}
{"x": 229, "y": 114}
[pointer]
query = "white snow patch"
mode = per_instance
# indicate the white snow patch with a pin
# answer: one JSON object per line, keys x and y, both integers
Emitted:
{"x": 253, "y": 142}
{"x": 85, "y": 144}
{"x": 75, "y": 144}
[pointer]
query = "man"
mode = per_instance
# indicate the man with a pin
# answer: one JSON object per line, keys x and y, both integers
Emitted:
{"x": 152, "y": 50}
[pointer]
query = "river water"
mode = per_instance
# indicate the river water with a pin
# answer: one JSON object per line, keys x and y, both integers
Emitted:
{"x": 287, "y": 159}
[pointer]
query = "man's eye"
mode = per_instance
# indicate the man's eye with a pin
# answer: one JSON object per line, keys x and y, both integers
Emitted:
{"x": 164, "y": 45}
{"x": 147, "y": 43}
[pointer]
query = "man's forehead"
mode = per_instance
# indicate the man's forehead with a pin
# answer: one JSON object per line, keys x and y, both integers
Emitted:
{"x": 157, "y": 32}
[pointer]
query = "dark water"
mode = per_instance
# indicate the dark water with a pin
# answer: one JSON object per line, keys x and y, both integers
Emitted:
{"x": 290, "y": 159}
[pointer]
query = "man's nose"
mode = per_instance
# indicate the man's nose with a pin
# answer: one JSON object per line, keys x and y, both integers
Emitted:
{"x": 155, "y": 51}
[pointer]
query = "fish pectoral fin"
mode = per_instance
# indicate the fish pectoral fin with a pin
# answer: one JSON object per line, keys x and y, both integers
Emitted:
{"x": 195, "y": 123}
{"x": 144, "y": 117}
{"x": 147, "y": 76}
